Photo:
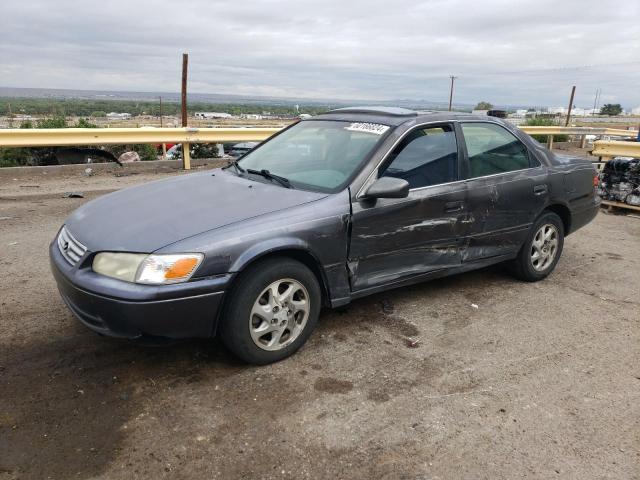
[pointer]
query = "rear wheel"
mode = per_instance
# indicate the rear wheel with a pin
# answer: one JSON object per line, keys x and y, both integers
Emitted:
{"x": 541, "y": 251}
{"x": 272, "y": 310}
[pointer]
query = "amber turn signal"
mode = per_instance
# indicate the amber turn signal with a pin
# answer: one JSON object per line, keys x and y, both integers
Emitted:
{"x": 181, "y": 268}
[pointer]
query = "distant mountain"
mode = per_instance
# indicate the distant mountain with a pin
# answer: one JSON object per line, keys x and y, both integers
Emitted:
{"x": 58, "y": 93}
{"x": 173, "y": 97}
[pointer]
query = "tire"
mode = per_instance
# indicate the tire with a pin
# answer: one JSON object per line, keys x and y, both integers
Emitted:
{"x": 260, "y": 323}
{"x": 546, "y": 239}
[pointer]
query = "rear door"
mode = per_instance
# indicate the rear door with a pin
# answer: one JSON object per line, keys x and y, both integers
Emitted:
{"x": 394, "y": 239}
{"x": 507, "y": 188}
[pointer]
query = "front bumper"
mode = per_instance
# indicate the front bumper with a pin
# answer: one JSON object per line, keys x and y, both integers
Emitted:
{"x": 122, "y": 309}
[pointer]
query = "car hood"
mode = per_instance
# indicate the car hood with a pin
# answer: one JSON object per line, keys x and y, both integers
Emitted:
{"x": 148, "y": 217}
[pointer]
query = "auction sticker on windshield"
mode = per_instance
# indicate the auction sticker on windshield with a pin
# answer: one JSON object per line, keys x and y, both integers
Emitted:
{"x": 374, "y": 128}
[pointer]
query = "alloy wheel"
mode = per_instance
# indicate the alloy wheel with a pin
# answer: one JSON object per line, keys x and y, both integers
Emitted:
{"x": 279, "y": 314}
{"x": 544, "y": 247}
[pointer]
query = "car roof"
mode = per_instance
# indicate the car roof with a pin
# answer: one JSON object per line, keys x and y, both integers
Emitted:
{"x": 391, "y": 111}
{"x": 394, "y": 116}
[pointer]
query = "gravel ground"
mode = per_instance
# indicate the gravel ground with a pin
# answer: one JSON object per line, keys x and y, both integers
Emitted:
{"x": 540, "y": 380}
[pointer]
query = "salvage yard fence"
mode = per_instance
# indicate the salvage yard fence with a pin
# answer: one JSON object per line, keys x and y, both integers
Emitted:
{"x": 605, "y": 149}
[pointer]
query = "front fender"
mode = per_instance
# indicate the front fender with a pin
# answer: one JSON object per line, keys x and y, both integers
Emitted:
{"x": 265, "y": 247}
{"x": 318, "y": 230}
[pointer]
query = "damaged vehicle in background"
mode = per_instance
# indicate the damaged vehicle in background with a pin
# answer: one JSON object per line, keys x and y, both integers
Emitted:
{"x": 239, "y": 149}
{"x": 197, "y": 150}
{"x": 332, "y": 208}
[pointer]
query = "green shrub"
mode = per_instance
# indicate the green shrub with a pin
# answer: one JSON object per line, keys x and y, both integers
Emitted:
{"x": 545, "y": 122}
{"x": 146, "y": 151}
{"x": 204, "y": 150}
{"x": 55, "y": 122}
{"x": 14, "y": 157}
{"x": 84, "y": 123}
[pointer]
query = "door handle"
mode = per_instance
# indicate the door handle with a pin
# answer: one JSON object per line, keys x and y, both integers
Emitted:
{"x": 539, "y": 189}
{"x": 451, "y": 207}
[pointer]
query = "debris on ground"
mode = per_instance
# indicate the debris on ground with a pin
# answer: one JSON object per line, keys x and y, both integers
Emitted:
{"x": 88, "y": 171}
{"x": 129, "y": 157}
{"x": 473, "y": 305}
{"x": 73, "y": 195}
{"x": 411, "y": 343}
{"x": 11, "y": 244}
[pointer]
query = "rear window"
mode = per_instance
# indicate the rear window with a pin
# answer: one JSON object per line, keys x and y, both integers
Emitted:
{"x": 492, "y": 149}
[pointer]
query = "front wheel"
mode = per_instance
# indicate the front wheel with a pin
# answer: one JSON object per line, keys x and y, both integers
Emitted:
{"x": 541, "y": 251}
{"x": 271, "y": 311}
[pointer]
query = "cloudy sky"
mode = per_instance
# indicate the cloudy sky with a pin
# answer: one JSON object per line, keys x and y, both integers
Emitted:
{"x": 521, "y": 52}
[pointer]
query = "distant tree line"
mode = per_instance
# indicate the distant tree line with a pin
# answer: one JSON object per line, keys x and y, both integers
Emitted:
{"x": 99, "y": 108}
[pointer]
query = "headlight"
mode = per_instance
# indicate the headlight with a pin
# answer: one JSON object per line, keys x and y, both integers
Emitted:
{"x": 122, "y": 266}
{"x": 157, "y": 269}
{"x": 147, "y": 269}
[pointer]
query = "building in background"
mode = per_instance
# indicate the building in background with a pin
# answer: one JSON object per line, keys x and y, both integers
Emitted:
{"x": 212, "y": 115}
{"x": 118, "y": 116}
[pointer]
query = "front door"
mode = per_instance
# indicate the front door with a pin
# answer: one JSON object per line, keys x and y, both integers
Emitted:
{"x": 395, "y": 239}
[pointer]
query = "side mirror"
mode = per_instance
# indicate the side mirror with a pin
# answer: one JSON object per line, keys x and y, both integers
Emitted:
{"x": 388, "y": 187}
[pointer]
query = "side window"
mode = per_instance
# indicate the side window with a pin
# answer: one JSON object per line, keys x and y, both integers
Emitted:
{"x": 427, "y": 156}
{"x": 493, "y": 149}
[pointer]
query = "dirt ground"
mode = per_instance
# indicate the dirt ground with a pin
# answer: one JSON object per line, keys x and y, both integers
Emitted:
{"x": 476, "y": 376}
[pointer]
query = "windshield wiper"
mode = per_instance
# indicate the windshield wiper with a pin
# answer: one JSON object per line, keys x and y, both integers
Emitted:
{"x": 234, "y": 163}
{"x": 267, "y": 174}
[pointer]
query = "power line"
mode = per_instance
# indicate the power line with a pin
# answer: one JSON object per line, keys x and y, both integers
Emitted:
{"x": 571, "y": 67}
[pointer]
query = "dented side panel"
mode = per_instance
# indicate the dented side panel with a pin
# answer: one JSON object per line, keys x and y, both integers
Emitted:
{"x": 504, "y": 207}
{"x": 392, "y": 239}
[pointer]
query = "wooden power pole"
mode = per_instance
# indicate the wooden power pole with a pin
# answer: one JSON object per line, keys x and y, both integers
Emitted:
{"x": 164, "y": 145}
{"x": 451, "y": 91}
{"x": 573, "y": 92}
{"x": 186, "y": 154}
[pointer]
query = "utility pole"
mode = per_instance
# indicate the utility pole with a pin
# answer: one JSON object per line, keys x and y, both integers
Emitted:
{"x": 186, "y": 154}
{"x": 573, "y": 92}
{"x": 451, "y": 91}
{"x": 164, "y": 145}
{"x": 10, "y": 117}
{"x": 595, "y": 101}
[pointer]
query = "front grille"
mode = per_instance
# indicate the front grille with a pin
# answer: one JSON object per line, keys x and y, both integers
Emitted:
{"x": 70, "y": 248}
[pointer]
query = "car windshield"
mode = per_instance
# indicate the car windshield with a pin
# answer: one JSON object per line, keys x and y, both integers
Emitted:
{"x": 316, "y": 154}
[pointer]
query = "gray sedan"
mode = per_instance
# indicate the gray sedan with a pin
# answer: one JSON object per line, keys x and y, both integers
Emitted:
{"x": 330, "y": 209}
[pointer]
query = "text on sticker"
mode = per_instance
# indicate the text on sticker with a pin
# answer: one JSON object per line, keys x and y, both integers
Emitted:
{"x": 374, "y": 128}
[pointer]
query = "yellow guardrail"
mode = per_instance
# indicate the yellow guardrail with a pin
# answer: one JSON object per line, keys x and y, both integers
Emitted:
{"x": 61, "y": 137}
{"x": 53, "y": 137}
{"x": 112, "y": 136}
{"x": 612, "y": 148}
{"x": 557, "y": 130}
